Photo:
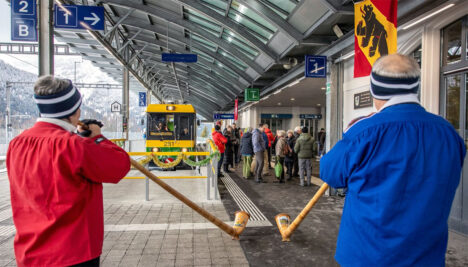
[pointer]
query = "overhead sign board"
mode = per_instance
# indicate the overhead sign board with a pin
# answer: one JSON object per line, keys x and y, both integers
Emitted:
{"x": 79, "y": 17}
{"x": 23, "y": 20}
{"x": 223, "y": 116}
{"x": 362, "y": 100}
{"x": 310, "y": 116}
{"x": 142, "y": 99}
{"x": 116, "y": 107}
{"x": 252, "y": 94}
{"x": 276, "y": 116}
{"x": 172, "y": 57}
{"x": 315, "y": 66}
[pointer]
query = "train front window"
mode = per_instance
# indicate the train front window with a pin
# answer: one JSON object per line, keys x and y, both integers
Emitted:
{"x": 185, "y": 128}
{"x": 160, "y": 126}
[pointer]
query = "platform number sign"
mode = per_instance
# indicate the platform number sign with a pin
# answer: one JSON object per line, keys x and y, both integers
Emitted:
{"x": 79, "y": 17}
{"x": 142, "y": 99}
{"x": 316, "y": 66}
{"x": 23, "y": 20}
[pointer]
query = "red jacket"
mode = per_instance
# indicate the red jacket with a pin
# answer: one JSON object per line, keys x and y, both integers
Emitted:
{"x": 219, "y": 140}
{"x": 271, "y": 137}
{"x": 56, "y": 194}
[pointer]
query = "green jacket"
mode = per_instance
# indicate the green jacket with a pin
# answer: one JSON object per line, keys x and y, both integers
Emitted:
{"x": 304, "y": 146}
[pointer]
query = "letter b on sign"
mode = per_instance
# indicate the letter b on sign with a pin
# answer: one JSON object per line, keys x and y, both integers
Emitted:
{"x": 23, "y": 30}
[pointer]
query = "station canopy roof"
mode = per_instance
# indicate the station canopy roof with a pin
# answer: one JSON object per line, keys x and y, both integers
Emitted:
{"x": 239, "y": 43}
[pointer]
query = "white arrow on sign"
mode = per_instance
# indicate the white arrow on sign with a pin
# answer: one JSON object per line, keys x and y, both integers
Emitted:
{"x": 94, "y": 17}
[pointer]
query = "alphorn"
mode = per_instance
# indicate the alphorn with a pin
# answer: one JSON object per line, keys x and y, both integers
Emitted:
{"x": 283, "y": 220}
{"x": 241, "y": 216}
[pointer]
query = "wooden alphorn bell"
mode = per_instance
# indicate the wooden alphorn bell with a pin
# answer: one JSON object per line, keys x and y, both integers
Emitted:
{"x": 241, "y": 216}
{"x": 283, "y": 220}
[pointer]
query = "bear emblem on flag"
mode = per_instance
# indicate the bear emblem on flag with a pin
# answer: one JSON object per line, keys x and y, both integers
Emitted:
{"x": 374, "y": 30}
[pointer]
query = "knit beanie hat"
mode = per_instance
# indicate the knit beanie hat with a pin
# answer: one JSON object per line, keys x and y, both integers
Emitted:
{"x": 60, "y": 105}
{"x": 384, "y": 88}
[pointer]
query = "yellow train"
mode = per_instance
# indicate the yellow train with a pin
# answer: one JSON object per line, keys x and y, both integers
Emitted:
{"x": 170, "y": 128}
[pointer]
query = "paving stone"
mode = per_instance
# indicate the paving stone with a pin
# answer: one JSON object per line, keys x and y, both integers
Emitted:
{"x": 165, "y": 263}
{"x": 217, "y": 261}
{"x": 179, "y": 262}
{"x": 202, "y": 261}
{"x": 167, "y": 256}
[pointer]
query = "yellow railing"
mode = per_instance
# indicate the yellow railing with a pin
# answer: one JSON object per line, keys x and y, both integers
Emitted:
{"x": 168, "y": 153}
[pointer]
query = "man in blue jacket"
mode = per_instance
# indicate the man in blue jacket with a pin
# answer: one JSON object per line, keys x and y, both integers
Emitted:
{"x": 259, "y": 148}
{"x": 402, "y": 167}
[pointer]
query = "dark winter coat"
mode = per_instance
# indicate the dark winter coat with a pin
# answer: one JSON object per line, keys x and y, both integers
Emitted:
{"x": 228, "y": 152}
{"x": 246, "y": 146}
{"x": 291, "y": 142}
{"x": 304, "y": 146}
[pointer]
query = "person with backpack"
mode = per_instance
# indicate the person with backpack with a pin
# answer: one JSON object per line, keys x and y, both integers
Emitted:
{"x": 247, "y": 151}
{"x": 282, "y": 149}
{"x": 289, "y": 158}
{"x": 304, "y": 149}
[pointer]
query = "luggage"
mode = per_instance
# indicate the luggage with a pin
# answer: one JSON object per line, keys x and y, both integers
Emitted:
{"x": 278, "y": 168}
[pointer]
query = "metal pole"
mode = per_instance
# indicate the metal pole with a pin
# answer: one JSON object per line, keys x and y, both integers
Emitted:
{"x": 147, "y": 185}
{"x": 125, "y": 100}
{"x": 8, "y": 112}
{"x": 46, "y": 37}
{"x": 208, "y": 177}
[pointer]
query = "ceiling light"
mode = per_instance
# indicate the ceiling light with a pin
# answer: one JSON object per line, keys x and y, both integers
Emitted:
{"x": 292, "y": 99}
{"x": 242, "y": 9}
{"x": 318, "y": 105}
{"x": 323, "y": 88}
{"x": 279, "y": 103}
{"x": 428, "y": 16}
{"x": 337, "y": 30}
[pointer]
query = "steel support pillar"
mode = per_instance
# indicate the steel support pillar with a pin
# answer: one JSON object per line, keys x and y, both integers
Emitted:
{"x": 46, "y": 37}
{"x": 125, "y": 100}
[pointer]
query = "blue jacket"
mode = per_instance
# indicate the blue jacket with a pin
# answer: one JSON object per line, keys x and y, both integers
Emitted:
{"x": 401, "y": 167}
{"x": 257, "y": 141}
{"x": 265, "y": 139}
{"x": 246, "y": 146}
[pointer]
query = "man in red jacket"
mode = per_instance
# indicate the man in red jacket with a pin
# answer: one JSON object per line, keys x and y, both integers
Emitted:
{"x": 220, "y": 141}
{"x": 56, "y": 181}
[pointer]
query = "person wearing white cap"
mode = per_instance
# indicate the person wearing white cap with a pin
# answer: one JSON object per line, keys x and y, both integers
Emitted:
{"x": 401, "y": 166}
{"x": 56, "y": 181}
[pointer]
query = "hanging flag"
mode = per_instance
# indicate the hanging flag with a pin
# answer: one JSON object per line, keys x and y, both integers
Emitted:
{"x": 236, "y": 104}
{"x": 375, "y": 33}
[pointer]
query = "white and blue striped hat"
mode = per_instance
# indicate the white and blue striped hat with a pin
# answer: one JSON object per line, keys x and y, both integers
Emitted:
{"x": 384, "y": 88}
{"x": 60, "y": 105}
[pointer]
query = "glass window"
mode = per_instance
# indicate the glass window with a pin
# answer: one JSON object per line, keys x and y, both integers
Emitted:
{"x": 185, "y": 128}
{"x": 286, "y": 6}
{"x": 452, "y": 43}
{"x": 160, "y": 126}
{"x": 453, "y": 100}
{"x": 417, "y": 54}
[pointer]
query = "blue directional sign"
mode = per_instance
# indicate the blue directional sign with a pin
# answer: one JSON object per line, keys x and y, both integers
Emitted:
{"x": 79, "y": 17}
{"x": 187, "y": 58}
{"x": 142, "y": 99}
{"x": 23, "y": 20}
{"x": 223, "y": 116}
{"x": 315, "y": 66}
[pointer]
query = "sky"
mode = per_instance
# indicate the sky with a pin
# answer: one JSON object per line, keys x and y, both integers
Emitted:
{"x": 64, "y": 65}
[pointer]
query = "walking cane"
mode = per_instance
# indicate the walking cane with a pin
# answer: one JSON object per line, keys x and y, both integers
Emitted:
{"x": 283, "y": 220}
{"x": 241, "y": 216}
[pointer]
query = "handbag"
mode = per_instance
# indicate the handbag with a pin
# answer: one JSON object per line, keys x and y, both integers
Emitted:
{"x": 278, "y": 168}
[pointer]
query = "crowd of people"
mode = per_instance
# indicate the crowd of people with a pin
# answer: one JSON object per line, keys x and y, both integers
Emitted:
{"x": 292, "y": 152}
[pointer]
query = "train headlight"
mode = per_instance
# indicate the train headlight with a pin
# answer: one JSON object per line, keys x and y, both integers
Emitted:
{"x": 170, "y": 108}
{"x": 184, "y": 150}
{"x": 155, "y": 149}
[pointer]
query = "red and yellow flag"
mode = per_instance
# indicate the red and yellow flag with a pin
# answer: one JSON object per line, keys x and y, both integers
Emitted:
{"x": 375, "y": 33}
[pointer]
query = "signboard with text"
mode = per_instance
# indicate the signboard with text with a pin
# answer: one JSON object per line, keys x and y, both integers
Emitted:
{"x": 315, "y": 66}
{"x": 362, "y": 100}
{"x": 142, "y": 99}
{"x": 223, "y": 116}
{"x": 310, "y": 116}
{"x": 252, "y": 94}
{"x": 276, "y": 116}
{"x": 23, "y": 20}
{"x": 79, "y": 17}
{"x": 185, "y": 58}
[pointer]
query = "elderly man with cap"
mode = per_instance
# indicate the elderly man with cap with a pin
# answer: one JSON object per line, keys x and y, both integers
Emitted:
{"x": 401, "y": 166}
{"x": 56, "y": 181}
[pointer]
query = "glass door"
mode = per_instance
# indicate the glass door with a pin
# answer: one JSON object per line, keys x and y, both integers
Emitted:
{"x": 456, "y": 112}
